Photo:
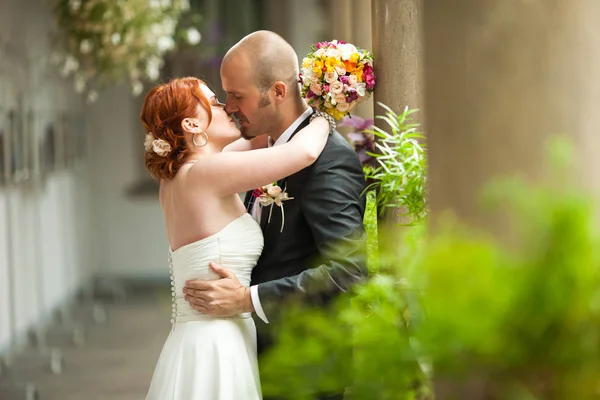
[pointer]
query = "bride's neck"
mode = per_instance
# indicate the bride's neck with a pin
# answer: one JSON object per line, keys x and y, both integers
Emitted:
{"x": 199, "y": 152}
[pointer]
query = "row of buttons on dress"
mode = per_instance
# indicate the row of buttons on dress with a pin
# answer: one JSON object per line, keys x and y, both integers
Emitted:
{"x": 173, "y": 299}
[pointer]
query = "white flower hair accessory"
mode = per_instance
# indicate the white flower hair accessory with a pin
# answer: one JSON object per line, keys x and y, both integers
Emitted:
{"x": 158, "y": 146}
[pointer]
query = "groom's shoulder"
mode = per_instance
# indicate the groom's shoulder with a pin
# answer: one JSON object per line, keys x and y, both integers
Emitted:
{"x": 338, "y": 149}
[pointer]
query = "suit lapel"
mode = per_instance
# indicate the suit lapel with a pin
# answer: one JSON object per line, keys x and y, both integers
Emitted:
{"x": 249, "y": 201}
{"x": 264, "y": 217}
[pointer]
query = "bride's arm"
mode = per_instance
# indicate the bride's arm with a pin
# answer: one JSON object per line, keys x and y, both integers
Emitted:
{"x": 259, "y": 142}
{"x": 235, "y": 172}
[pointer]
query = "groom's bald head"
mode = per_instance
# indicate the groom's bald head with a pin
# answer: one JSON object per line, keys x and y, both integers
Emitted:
{"x": 269, "y": 59}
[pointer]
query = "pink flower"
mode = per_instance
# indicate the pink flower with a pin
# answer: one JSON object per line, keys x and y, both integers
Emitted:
{"x": 336, "y": 87}
{"x": 369, "y": 76}
{"x": 257, "y": 192}
{"x": 352, "y": 95}
{"x": 316, "y": 89}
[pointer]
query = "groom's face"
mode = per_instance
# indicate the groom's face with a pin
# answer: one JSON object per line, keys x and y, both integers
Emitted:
{"x": 253, "y": 109}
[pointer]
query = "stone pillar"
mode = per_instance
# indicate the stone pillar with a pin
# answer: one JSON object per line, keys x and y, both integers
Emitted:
{"x": 276, "y": 18}
{"x": 397, "y": 49}
{"x": 339, "y": 16}
{"x": 362, "y": 37}
{"x": 502, "y": 77}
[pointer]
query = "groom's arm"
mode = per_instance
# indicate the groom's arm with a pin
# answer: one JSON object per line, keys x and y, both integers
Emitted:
{"x": 334, "y": 210}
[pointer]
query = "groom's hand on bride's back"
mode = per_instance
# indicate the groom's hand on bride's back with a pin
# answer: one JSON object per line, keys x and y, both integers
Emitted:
{"x": 223, "y": 297}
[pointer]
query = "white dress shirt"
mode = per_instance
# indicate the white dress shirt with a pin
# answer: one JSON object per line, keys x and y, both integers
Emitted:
{"x": 257, "y": 210}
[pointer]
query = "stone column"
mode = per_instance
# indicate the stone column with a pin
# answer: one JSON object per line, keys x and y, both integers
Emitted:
{"x": 339, "y": 16}
{"x": 276, "y": 18}
{"x": 362, "y": 36}
{"x": 503, "y": 76}
{"x": 397, "y": 49}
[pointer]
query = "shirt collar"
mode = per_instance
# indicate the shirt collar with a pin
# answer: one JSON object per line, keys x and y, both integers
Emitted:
{"x": 285, "y": 136}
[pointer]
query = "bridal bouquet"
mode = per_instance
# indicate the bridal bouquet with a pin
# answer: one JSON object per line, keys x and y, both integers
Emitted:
{"x": 336, "y": 77}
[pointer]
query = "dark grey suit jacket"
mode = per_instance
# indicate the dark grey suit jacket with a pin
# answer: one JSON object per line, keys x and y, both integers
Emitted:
{"x": 305, "y": 261}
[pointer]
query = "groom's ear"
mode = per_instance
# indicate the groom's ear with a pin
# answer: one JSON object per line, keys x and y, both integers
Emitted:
{"x": 280, "y": 90}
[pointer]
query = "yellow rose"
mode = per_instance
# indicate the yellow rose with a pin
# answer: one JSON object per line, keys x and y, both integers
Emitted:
{"x": 306, "y": 62}
{"x": 359, "y": 73}
{"x": 330, "y": 64}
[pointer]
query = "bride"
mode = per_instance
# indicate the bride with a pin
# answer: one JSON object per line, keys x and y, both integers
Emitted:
{"x": 192, "y": 148}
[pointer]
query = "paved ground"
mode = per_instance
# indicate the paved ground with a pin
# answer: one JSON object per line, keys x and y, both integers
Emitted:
{"x": 115, "y": 362}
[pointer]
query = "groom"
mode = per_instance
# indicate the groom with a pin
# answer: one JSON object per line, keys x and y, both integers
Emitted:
{"x": 260, "y": 74}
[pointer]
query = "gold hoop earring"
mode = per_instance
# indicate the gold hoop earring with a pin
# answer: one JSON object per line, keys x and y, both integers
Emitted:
{"x": 205, "y": 137}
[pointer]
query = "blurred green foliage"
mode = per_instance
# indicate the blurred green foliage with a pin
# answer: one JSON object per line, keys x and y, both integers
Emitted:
{"x": 459, "y": 313}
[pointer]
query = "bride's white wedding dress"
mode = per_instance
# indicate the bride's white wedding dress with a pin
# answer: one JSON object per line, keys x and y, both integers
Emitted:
{"x": 205, "y": 357}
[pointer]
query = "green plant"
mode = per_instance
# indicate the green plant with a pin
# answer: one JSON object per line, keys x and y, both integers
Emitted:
{"x": 479, "y": 318}
{"x": 401, "y": 176}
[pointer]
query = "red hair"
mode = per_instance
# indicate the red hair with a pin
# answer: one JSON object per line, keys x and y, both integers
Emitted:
{"x": 164, "y": 108}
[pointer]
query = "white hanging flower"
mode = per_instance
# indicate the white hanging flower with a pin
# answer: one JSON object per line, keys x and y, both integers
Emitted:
{"x": 85, "y": 46}
{"x": 92, "y": 96}
{"x": 137, "y": 88}
{"x": 165, "y": 43}
{"x": 193, "y": 36}
{"x": 74, "y": 5}
{"x": 79, "y": 84}
{"x": 153, "y": 68}
{"x": 71, "y": 65}
{"x": 115, "y": 38}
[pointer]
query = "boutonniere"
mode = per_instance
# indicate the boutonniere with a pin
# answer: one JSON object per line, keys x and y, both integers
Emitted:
{"x": 270, "y": 195}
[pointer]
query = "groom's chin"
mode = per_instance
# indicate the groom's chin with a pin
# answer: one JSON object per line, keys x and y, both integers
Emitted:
{"x": 245, "y": 136}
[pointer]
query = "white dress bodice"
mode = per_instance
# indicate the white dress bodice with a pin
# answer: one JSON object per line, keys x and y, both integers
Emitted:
{"x": 236, "y": 247}
{"x": 208, "y": 357}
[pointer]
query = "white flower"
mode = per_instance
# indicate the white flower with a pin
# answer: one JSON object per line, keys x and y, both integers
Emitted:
{"x": 341, "y": 71}
{"x": 320, "y": 52}
{"x": 340, "y": 98}
{"x": 193, "y": 36}
{"x": 331, "y": 77}
{"x": 153, "y": 68}
{"x": 136, "y": 88}
{"x": 115, "y": 38}
{"x": 85, "y": 46}
{"x": 308, "y": 76}
{"x": 352, "y": 79}
{"x": 74, "y": 5}
{"x": 361, "y": 88}
{"x": 160, "y": 147}
{"x": 148, "y": 141}
{"x": 331, "y": 52}
{"x": 92, "y": 96}
{"x": 336, "y": 87}
{"x": 347, "y": 50}
{"x": 71, "y": 65}
{"x": 274, "y": 191}
{"x": 79, "y": 84}
{"x": 342, "y": 106}
{"x": 165, "y": 43}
